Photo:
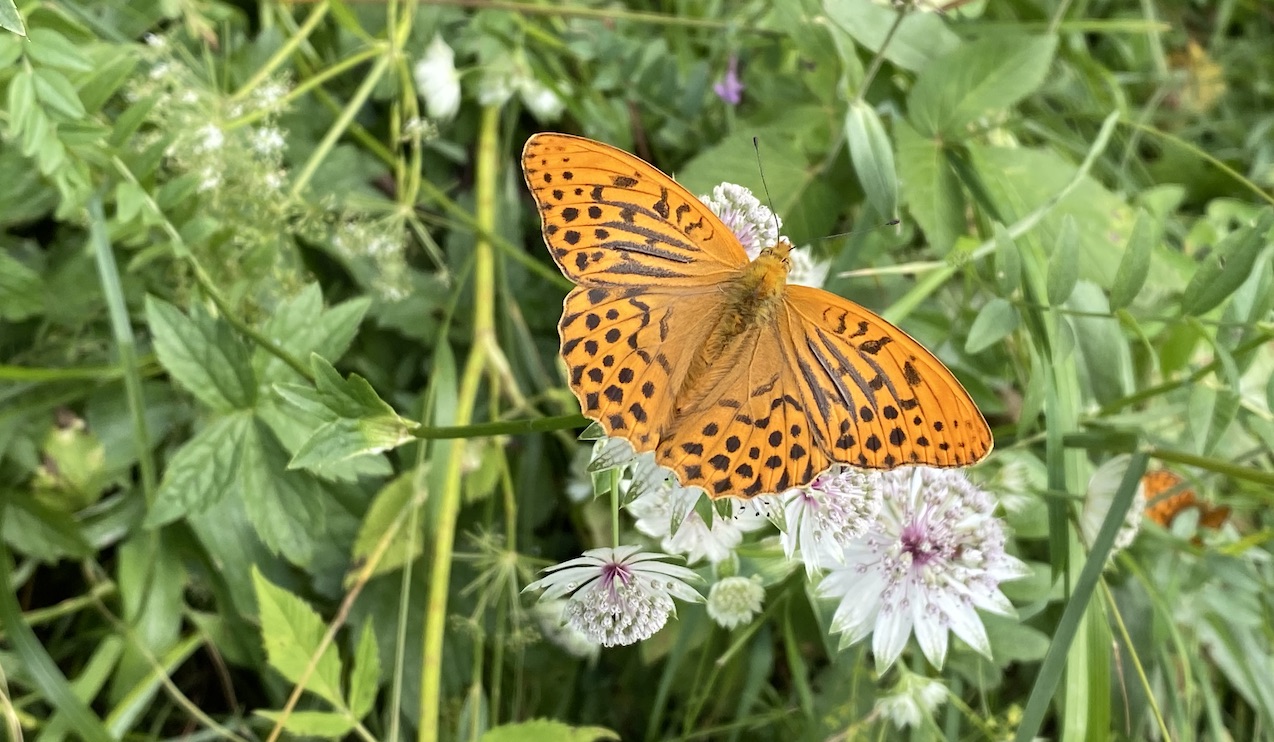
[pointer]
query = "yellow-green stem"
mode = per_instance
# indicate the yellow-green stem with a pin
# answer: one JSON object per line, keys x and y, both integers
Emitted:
{"x": 281, "y": 56}
{"x": 449, "y": 506}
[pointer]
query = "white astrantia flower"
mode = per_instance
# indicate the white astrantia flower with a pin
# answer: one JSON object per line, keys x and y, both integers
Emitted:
{"x": 757, "y": 227}
{"x": 550, "y": 615}
{"x": 750, "y": 220}
{"x": 620, "y": 595}
{"x": 913, "y": 697}
{"x": 437, "y": 80}
{"x": 666, "y": 512}
{"x": 1102, "y": 487}
{"x": 733, "y": 601}
{"x": 932, "y": 558}
{"x": 824, "y": 516}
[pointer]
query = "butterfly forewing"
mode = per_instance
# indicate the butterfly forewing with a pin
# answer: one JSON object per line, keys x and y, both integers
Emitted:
{"x": 611, "y": 219}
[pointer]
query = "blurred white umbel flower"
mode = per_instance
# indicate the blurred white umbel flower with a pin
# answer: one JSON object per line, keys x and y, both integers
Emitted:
{"x": 824, "y": 516}
{"x": 913, "y": 697}
{"x": 733, "y": 601}
{"x": 618, "y": 595}
{"x": 1101, "y": 494}
{"x": 757, "y": 227}
{"x": 437, "y": 80}
{"x": 550, "y": 615}
{"x": 934, "y": 555}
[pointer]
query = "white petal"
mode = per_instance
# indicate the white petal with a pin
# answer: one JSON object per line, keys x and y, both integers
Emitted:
{"x": 892, "y": 629}
{"x": 931, "y": 633}
{"x": 966, "y": 625}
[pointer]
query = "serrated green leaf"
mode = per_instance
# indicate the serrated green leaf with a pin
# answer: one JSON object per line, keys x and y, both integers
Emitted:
{"x": 302, "y": 326}
{"x": 1222, "y": 273}
{"x": 994, "y": 322}
{"x": 917, "y": 41}
{"x": 324, "y": 724}
{"x": 1008, "y": 262}
{"x": 21, "y": 290}
{"x": 291, "y": 632}
{"x": 873, "y": 157}
{"x": 351, "y": 398}
{"x": 930, "y": 187}
{"x": 283, "y": 505}
{"x": 10, "y": 19}
{"x": 546, "y": 730}
{"x": 203, "y": 354}
{"x": 987, "y": 75}
{"x": 57, "y": 93}
{"x": 392, "y": 499}
{"x": 346, "y": 438}
{"x": 298, "y": 418}
{"x": 1063, "y": 264}
{"x": 48, "y": 47}
{"x": 364, "y": 679}
{"x": 203, "y": 471}
{"x": 1135, "y": 264}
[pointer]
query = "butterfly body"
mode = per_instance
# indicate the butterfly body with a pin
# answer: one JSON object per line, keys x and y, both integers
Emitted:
{"x": 739, "y": 382}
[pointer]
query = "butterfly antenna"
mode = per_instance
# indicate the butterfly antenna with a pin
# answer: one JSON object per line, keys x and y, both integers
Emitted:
{"x": 756, "y": 147}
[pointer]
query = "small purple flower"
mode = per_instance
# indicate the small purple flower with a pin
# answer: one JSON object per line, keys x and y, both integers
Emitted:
{"x": 730, "y": 89}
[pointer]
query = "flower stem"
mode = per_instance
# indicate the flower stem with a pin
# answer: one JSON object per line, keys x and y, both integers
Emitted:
{"x": 449, "y": 504}
{"x": 879, "y": 59}
{"x": 502, "y": 427}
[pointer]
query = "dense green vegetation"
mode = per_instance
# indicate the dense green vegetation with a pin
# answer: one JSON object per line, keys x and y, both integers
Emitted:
{"x": 284, "y": 434}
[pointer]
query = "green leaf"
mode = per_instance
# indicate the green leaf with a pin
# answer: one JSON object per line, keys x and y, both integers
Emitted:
{"x": 37, "y": 530}
{"x": 919, "y": 39}
{"x": 1063, "y": 264}
{"x": 931, "y": 188}
{"x": 388, "y": 504}
{"x": 324, "y": 724}
{"x": 21, "y": 99}
{"x": 48, "y": 47}
{"x": 55, "y": 91}
{"x": 352, "y": 398}
{"x": 21, "y": 290}
{"x": 994, "y": 322}
{"x": 203, "y": 354}
{"x": 1012, "y": 641}
{"x": 1105, "y": 362}
{"x": 302, "y": 326}
{"x": 364, "y": 679}
{"x": 873, "y": 157}
{"x": 10, "y": 20}
{"x": 203, "y": 471}
{"x": 283, "y": 505}
{"x": 299, "y": 419}
{"x": 1228, "y": 267}
{"x": 1008, "y": 262}
{"x": 345, "y": 438}
{"x": 985, "y": 76}
{"x": 291, "y": 632}
{"x": 1135, "y": 264}
{"x": 546, "y": 730}
{"x": 130, "y": 200}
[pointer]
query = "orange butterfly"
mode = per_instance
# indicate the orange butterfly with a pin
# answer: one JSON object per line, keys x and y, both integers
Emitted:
{"x": 740, "y": 383}
{"x": 1167, "y": 497}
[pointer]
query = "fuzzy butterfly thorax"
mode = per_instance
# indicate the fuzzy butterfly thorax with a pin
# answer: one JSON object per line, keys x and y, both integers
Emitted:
{"x": 738, "y": 382}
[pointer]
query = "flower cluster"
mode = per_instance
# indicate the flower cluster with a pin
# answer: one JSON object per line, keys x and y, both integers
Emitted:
{"x": 509, "y": 74}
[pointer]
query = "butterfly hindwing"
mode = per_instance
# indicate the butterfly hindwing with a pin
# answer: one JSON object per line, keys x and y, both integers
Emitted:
{"x": 622, "y": 352}
{"x": 879, "y": 397}
{"x": 611, "y": 219}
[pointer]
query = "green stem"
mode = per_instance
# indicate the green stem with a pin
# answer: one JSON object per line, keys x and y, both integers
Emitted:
{"x": 122, "y": 329}
{"x": 879, "y": 59}
{"x": 486, "y": 183}
{"x": 505, "y": 427}
{"x": 342, "y": 122}
{"x": 279, "y": 57}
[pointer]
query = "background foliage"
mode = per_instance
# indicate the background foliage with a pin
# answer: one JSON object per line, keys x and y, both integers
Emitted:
{"x": 206, "y": 205}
